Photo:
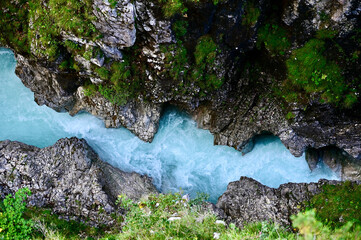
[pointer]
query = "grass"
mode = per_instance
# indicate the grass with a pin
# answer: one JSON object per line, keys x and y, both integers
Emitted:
{"x": 170, "y": 216}
{"x": 59, "y": 15}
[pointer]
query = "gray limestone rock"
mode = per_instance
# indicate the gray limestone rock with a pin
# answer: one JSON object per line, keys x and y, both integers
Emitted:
{"x": 69, "y": 177}
{"x": 247, "y": 201}
{"x": 139, "y": 117}
{"x": 117, "y": 25}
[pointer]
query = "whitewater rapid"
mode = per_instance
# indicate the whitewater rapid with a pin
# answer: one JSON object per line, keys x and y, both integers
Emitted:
{"x": 181, "y": 156}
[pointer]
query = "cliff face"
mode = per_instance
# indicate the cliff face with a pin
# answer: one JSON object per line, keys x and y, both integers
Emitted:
{"x": 240, "y": 68}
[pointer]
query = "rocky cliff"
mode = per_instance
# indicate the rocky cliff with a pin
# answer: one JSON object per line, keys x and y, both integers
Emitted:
{"x": 247, "y": 200}
{"x": 240, "y": 68}
{"x": 69, "y": 178}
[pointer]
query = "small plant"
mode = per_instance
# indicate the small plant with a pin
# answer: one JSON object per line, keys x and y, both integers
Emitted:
{"x": 12, "y": 223}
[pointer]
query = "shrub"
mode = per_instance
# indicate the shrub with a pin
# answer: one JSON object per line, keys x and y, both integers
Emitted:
{"x": 12, "y": 223}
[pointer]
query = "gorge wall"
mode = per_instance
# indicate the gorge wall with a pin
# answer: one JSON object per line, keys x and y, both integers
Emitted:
{"x": 240, "y": 68}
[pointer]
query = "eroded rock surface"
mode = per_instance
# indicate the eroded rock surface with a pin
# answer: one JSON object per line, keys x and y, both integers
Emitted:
{"x": 69, "y": 177}
{"x": 247, "y": 200}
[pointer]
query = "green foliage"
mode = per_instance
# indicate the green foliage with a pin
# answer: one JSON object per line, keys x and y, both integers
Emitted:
{"x": 251, "y": 14}
{"x": 311, "y": 71}
{"x": 180, "y": 28}
{"x": 90, "y": 89}
{"x": 71, "y": 45}
{"x": 310, "y": 228}
{"x": 49, "y": 226}
{"x": 205, "y": 69}
{"x": 176, "y": 60}
{"x": 338, "y": 204}
{"x": 274, "y": 38}
{"x": 113, "y": 3}
{"x": 12, "y": 223}
{"x": 152, "y": 219}
{"x": 14, "y": 25}
{"x": 59, "y": 15}
{"x": 172, "y": 7}
{"x": 103, "y": 73}
{"x": 326, "y": 34}
{"x": 290, "y": 115}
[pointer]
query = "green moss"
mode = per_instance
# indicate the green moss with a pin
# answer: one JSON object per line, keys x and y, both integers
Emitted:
{"x": 90, "y": 89}
{"x": 180, "y": 28}
{"x": 113, "y": 3}
{"x": 205, "y": 68}
{"x": 14, "y": 25}
{"x": 103, "y": 73}
{"x": 50, "y": 18}
{"x": 310, "y": 70}
{"x": 176, "y": 60}
{"x": 251, "y": 14}
{"x": 290, "y": 115}
{"x": 338, "y": 204}
{"x": 172, "y": 7}
{"x": 274, "y": 38}
{"x": 326, "y": 34}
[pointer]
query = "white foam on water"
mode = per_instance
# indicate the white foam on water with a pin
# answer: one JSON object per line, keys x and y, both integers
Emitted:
{"x": 181, "y": 156}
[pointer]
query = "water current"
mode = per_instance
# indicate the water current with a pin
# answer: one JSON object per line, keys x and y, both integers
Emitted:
{"x": 181, "y": 156}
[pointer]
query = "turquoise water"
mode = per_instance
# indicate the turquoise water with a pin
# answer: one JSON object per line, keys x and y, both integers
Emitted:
{"x": 180, "y": 157}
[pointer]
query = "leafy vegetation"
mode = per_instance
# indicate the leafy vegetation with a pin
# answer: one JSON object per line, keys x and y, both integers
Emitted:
{"x": 274, "y": 38}
{"x": 13, "y": 225}
{"x": 310, "y": 70}
{"x": 179, "y": 28}
{"x": 48, "y": 20}
{"x": 205, "y": 69}
{"x": 165, "y": 216}
{"x": 338, "y": 204}
{"x": 173, "y": 7}
{"x": 14, "y": 25}
{"x": 251, "y": 14}
{"x": 310, "y": 228}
